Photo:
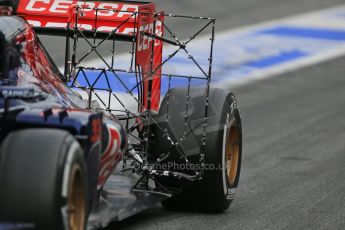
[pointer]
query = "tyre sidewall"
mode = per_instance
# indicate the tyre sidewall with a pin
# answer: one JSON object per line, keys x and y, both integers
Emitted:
{"x": 73, "y": 157}
{"x": 221, "y": 192}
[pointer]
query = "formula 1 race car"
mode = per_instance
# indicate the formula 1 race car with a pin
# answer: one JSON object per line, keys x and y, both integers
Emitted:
{"x": 102, "y": 142}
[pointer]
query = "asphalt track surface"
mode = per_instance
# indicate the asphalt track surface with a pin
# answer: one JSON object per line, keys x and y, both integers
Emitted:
{"x": 293, "y": 133}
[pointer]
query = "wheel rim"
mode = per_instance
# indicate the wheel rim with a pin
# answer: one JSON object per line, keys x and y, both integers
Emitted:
{"x": 76, "y": 200}
{"x": 232, "y": 152}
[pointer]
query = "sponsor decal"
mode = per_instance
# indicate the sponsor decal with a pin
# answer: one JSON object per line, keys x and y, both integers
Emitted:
{"x": 17, "y": 92}
{"x": 150, "y": 62}
{"x": 55, "y": 13}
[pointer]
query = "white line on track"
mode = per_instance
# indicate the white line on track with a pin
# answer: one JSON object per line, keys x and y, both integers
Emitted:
{"x": 325, "y": 19}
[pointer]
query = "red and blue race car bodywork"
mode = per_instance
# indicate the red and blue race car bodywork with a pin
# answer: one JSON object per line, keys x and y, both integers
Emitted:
{"x": 120, "y": 151}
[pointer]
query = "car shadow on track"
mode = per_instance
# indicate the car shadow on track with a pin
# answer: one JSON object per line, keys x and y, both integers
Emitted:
{"x": 155, "y": 217}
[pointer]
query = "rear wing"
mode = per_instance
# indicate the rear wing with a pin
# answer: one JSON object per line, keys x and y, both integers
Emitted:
{"x": 105, "y": 16}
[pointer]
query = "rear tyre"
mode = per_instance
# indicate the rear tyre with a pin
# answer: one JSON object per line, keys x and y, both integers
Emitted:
{"x": 43, "y": 180}
{"x": 216, "y": 191}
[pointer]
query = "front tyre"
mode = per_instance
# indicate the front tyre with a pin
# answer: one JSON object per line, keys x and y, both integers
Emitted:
{"x": 43, "y": 180}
